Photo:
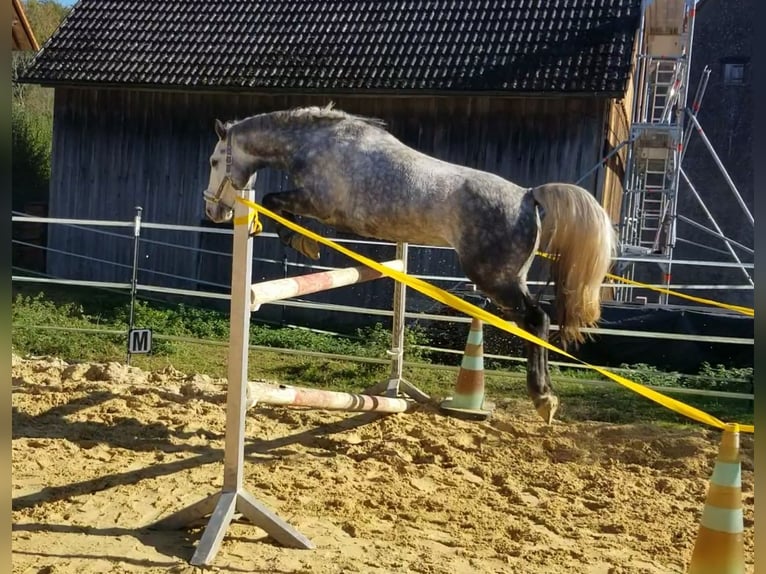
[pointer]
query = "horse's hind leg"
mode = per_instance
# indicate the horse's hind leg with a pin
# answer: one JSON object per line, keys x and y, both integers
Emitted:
{"x": 496, "y": 256}
{"x": 287, "y": 204}
{"x": 538, "y": 375}
{"x": 519, "y": 306}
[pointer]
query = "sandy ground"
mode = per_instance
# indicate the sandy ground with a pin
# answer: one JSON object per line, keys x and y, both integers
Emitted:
{"x": 100, "y": 452}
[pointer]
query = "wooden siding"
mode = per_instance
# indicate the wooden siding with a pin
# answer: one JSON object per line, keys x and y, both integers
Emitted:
{"x": 115, "y": 149}
{"x": 618, "y": 131}
{"x": 619, "y": 115}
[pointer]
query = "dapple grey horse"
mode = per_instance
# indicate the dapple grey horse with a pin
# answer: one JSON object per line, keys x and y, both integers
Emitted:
{"x": 356, "y": 177}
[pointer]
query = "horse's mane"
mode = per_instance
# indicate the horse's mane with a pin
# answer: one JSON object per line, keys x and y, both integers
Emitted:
{"x": 326, "y": 114}
{"x": 312, "y": 115}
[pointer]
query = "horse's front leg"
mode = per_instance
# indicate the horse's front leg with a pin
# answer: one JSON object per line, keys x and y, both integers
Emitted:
{"x": 288, "y": 204}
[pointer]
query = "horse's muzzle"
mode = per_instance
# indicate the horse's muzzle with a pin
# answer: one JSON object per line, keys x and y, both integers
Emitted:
{"x": 216, "y": 209}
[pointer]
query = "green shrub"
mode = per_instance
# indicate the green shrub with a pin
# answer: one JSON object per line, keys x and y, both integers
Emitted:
{"x": 651, "y": 375}
{"x": 378, "y": 339}
{"x": 184, "y": 321}
{"x": 203, "y": 323}
{"x": 31, "y": 313}
{"x": 31, "y": 157}
{"x": 720, "y": 378}
{"x": 79, "y": 311}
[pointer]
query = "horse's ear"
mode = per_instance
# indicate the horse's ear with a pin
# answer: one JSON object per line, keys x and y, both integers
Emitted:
{"x": 220, "y": 129}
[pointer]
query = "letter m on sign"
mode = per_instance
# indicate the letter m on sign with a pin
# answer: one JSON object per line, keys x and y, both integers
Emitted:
{"x": 140, "y": 341}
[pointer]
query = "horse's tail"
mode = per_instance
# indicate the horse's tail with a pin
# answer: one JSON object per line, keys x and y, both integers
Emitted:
{"x": 578, "y": 234}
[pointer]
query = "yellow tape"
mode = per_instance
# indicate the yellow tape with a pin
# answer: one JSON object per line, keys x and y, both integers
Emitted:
{"x": 478, "y": 313}
{"x": 739, "y": 309}
{"x": 252, "y": 216}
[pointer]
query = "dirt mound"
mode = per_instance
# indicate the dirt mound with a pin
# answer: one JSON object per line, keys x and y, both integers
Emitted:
{"x": 100, "y": 451}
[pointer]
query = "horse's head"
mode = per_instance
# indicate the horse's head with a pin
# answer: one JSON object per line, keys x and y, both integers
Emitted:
{"x": 227, "y": 176}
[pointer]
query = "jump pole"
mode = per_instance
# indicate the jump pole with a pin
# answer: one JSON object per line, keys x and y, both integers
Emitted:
{"x": 278, "y": 289}
{"x": 285, "y": 395}
{"x": 234, "y": 497}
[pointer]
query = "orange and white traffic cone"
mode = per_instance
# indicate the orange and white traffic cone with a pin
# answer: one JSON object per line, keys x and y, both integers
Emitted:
{"x": 468, "y": 399}
{"x": 719, "y": 548}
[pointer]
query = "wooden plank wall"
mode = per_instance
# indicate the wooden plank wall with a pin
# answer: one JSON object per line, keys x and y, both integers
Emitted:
{"x": 619, "y": 114}
{"x": 618, "y": 131}
{"x": 115, "y": 149}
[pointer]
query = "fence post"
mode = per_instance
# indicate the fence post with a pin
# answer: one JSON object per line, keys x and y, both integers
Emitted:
{"x": 133, "y": 282}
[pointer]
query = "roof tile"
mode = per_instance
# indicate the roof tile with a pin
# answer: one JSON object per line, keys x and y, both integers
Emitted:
{"x": 434, "y": 45}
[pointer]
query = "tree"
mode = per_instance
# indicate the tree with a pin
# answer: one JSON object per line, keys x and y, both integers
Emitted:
{"x": 32, "y": 113}
{"x": 44, "y": 17}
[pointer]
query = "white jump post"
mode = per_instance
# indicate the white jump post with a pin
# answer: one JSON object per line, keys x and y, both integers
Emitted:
{"x": 234, "y": 497}
{"x": 241, "y": 395}
{"x": 396, "y": 383}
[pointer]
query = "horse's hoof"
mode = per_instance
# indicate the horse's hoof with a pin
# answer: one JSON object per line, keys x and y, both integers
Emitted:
{"x": 306, "y": 246}
{"x": 546, "y": 407}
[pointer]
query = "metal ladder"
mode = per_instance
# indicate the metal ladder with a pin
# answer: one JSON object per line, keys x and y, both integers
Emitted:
{"x": 655, "y": 202}
{"x": 664, "y": 77}
{"x": 648, "y": 219}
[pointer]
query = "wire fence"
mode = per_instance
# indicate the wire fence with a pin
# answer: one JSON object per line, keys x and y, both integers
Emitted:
{"x": 91, "y": 225}
{"x": 459, "y": 283}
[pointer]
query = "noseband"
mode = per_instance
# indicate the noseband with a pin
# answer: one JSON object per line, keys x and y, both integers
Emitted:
{"x": 217, "y": 197}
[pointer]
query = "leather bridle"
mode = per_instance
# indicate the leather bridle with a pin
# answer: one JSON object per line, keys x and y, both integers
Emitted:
{"x": 217, "y": 197}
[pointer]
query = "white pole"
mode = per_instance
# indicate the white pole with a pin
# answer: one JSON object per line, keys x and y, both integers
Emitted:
{"x": 397, "y": 327}
{"x": 239, "y": 341}
{"x": 233, "y": 497}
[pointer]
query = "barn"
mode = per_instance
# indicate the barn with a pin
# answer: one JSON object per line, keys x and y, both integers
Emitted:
{"x": 535, "y": 92}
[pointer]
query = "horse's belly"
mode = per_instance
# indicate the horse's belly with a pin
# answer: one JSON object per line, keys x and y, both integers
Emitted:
{"x": 409, "y": 230}
{"x": 398, "y": 217}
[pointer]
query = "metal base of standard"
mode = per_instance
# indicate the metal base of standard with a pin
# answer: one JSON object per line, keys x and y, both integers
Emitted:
{"x": 221, "y": 506}
{"x": 394, "y": 387}
{"x": 467, "y": 414}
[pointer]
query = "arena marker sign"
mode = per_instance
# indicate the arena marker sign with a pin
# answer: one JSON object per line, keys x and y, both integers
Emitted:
{"x": 139, "y": 341}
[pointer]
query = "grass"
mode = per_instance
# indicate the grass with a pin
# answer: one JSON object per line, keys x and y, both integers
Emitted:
{"x": 581, "y": 399}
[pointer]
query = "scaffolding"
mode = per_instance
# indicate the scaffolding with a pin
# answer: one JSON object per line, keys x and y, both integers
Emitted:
{"x": 661, "y": 126}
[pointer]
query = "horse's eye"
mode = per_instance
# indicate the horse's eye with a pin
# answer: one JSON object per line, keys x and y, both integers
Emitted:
{"x": 214, "y": 163}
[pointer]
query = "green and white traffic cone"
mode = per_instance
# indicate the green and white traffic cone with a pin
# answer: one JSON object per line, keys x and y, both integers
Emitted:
{"x": 467, "y": 401}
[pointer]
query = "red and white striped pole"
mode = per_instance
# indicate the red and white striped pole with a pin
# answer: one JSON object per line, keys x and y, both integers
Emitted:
{"x": 279, "y": 289}
{"x": 274, "y": 394}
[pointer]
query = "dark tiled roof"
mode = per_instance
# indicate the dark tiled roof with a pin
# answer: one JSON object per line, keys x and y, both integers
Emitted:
{"x": 338, "y": 45}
